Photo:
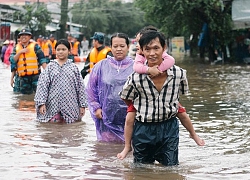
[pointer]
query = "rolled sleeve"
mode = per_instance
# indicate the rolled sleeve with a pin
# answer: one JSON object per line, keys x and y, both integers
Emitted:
{"x": 184, "y": 83}
{"x": 128, "y": 90}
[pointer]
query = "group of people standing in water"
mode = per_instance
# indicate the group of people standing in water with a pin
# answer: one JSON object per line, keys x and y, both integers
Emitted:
{"x": 135, "y": 101}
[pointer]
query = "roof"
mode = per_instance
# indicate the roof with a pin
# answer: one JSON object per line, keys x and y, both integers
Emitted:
{"x": 241, "y": 14}
{"x": 9, "y": 7}
{"x": 4, "y": 6}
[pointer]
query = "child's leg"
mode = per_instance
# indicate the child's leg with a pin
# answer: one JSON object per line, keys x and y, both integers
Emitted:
{"x": 186, "y": 122}
{"x": 128, "y": 131}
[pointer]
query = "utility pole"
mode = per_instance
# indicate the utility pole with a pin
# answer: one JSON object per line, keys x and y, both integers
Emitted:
{"x": 64, "y": 18}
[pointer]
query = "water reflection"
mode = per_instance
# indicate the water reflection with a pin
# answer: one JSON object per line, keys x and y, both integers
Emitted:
{"x": 218, "y": 104}
{"x": 24, "y": 102}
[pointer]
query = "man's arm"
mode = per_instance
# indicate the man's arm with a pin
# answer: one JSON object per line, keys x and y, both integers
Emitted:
{"x": 40, "y": 56}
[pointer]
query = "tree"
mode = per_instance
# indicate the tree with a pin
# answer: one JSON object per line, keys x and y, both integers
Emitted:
{"x": 64, "y": 18}
{"x": 35, "y": 16}
{"x": 108, "y": 17}
{"x": 186, "y": 17}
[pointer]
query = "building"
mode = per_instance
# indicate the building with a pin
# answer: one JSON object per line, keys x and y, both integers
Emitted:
{"x": 23, "y": 2}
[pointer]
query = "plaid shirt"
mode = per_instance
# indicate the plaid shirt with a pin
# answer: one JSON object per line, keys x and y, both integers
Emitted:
{"x": 152, "y": 105}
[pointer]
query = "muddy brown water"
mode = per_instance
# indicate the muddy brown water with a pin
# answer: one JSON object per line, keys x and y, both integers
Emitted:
{"x": 218, "y": 104}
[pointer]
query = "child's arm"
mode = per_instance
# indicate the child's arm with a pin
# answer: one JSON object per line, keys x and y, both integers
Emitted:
{"x": 139, "y": 65}
{"x": 141, "y": 68}
{"x": 186, "y": 122}
{"x": 128, "y": 130}
{"x": 167, "y": 63}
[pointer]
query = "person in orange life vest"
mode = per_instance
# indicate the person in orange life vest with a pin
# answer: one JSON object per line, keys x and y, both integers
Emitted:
{"x": 39, "y": 41}
{"x": 52, "y": 42}
{"x": 76, "y": 47}
{"x": 98, "y": 52}
{"x": 27, "y": 58}
{"x": 47, "y": 49}
{"x": 70, "y": 39}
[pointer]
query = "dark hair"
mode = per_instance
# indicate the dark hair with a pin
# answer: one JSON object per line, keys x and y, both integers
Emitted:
{"x": 120, "y": 35}
{"x": 149, "y": 35}
{"x": 64, "y": 42}
{"x": 146, "y": 28}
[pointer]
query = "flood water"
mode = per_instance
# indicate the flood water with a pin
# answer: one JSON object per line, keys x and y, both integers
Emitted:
{"x": 218, "y": 104}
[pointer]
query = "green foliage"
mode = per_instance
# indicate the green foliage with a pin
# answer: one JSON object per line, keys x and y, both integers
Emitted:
{"x": 35, "y": 17}
{"x": 108, "y": 17}
{"x": 186, "y": 17}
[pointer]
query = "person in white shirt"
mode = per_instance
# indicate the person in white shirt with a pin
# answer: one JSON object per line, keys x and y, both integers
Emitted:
{"x": 85, "y": 45}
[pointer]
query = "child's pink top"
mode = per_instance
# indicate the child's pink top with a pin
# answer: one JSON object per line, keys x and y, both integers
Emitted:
{"x": 141, "y": 68}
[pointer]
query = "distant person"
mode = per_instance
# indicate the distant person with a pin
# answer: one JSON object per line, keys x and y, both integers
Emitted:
{"x": 47, "y": 49}
{"x": 85, "y": 45}
{"x": 39, "y": 41}
{"x": 4, "y": 48}
{"x": 60, "y": 95}
{"x": 71, "y": 41}
{"x": 76, "y": 50}
{"x": 52, "y": 42}
{"x": 8, "y": 52}
{"x": 98, "y": 53}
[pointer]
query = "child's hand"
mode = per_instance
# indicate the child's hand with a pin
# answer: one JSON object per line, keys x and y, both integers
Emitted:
{"x": 139, "y": 51}
{"x": 42, "y": 109}
{"x": 98, "y": 113}
{"x": 82, "y": 111}
{"x": 154, "y": 71}
{"x": 198, "y": 140}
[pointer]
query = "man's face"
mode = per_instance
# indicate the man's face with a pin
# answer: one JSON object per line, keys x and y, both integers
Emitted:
{"x": 25, "y": 38}
{"x": 153, "y": 52}
{"x": 52, "y": 39}
{"x": 95, "y": 43}
{"x": 69, "y": 38}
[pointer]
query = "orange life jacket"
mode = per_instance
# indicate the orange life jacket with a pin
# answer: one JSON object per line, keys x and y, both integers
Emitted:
{"x": 96, "y": 56}
{"x": 40, "y": 43}
{"x": 70, "y": 43}
{"x": 27, "y": 63}
{"x": 74, "y": 50}
{"x": 53, "y": 45}
{"x": 45, "y": 49}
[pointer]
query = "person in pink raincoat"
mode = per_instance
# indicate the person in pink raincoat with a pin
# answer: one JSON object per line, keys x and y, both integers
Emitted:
{"x": 8, "y": 52}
